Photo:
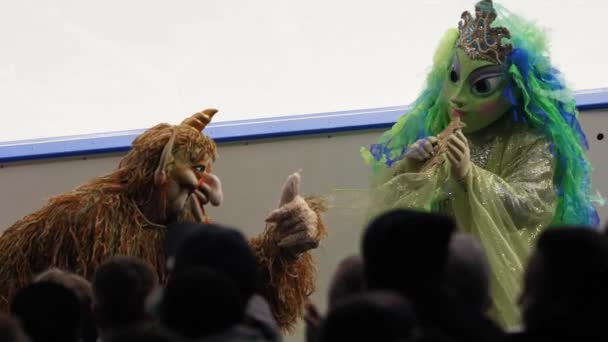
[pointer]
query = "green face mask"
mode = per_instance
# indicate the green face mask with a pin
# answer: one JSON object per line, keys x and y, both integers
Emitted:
{"x": 474, "y": 91}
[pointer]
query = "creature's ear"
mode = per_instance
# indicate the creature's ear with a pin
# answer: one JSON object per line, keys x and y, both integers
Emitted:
{"x": 199, "y": 120}
{"x": 166, "y": 157}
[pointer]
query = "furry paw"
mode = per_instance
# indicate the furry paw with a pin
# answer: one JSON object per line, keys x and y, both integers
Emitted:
{"x": 296, "y": 223}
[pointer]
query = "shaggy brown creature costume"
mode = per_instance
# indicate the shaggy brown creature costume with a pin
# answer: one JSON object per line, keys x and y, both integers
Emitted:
{"x": 126, "y": 213}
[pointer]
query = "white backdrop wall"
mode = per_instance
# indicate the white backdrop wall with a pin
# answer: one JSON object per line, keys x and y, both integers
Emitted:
{"x": 77, "y": 67}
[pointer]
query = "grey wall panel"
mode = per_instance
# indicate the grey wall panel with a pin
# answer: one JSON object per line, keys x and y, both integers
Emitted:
{"x": 595, "y": 124}
{"x": 252, "y": 175}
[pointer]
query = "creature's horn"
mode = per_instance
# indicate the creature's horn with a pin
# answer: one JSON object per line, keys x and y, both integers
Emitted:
{"x": 201, "y": 119}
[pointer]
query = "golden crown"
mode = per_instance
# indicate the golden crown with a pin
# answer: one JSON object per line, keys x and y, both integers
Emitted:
{"x": 478, "y": 39}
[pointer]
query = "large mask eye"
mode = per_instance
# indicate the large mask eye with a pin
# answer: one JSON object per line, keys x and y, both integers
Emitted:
{"x": 486, "y": 86}
{"x": 455, "y": 71}
{"x": 454, "y": 77}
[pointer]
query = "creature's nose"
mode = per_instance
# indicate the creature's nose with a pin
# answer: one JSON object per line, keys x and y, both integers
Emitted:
{"x": 211, "y": 186}
{"x": 457, "y": 103}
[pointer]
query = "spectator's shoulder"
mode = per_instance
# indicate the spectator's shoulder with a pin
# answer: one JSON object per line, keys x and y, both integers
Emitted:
{"x": 259, "y": 316}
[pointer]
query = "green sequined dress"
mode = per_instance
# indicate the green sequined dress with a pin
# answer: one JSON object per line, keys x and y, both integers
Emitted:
{"x": 506, "y": 200}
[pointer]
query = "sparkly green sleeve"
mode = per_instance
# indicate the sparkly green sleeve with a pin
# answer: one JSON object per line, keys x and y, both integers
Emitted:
{"x": 398, "y": 188}
{"x": 506, "y": 205}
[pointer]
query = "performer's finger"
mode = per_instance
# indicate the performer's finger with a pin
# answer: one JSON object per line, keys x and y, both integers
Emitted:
{"x": 425, "y": 155}
{"x": 413, "y": 153}
{"x": 416, "y": 153}
{"x": 453, "y": 160}
{"x": 463, "y": 138}
{"x": 455, "y": 152}
{"x": 435, "y": 143}
{"x": 452, "y": 141}
{"x": 455, "y": 142}
{"x": 461, "y": 145}
{"x": 428, "y": 147}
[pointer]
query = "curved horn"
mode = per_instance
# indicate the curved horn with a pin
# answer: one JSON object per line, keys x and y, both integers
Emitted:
{"x": 199, "y": 120}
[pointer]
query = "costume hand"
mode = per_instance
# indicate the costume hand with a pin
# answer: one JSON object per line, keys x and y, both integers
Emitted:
{"x": 422, "y": 149}
{"x": 296, "y": 222}
{"x": 459, "y": 155}
{"x": 419, "y": 152}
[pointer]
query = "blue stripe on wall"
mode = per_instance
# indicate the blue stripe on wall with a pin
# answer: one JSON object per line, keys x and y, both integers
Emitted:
{"x": 231, "y": 131}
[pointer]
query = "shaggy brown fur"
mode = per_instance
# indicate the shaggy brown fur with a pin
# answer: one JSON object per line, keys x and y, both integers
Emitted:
{"x": 289, "y": 282}
{"x": 124, "y": 213}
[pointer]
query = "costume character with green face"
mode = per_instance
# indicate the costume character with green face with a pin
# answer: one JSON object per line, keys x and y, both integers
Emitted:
{"x": 517, "y": 166}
